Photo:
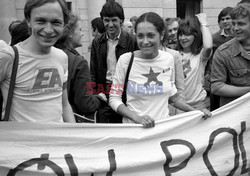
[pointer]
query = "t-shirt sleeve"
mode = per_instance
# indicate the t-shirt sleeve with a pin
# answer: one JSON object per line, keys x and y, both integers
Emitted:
{"x": 6, "y": 60}
{"x": 115, "y": 99}
{"x": 173, "y": 87}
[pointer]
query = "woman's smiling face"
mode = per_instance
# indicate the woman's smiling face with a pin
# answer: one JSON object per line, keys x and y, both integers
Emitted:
{"x": 148, "y": 39}
{"x": 186, "y": 41}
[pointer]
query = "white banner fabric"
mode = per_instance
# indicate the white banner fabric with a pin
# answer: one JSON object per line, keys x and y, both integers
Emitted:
{"x": 183, "y": 145}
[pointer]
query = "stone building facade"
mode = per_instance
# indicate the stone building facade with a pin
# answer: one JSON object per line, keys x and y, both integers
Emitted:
{"x": 88, "y": 9}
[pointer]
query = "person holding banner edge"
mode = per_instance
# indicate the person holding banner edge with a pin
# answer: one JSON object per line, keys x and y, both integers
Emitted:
{"x": 40, "y": 93}
{"x": 151, "y": 79}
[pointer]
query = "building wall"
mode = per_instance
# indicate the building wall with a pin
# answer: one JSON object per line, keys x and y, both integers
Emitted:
{"x": 213, "y": 7}
{"x": 88, "y": 9}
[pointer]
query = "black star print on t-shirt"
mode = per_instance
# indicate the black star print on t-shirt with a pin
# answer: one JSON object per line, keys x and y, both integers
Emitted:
{"x": 152, "y": 76}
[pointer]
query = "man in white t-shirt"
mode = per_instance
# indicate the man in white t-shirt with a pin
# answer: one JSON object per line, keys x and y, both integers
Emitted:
{"x": 40, "y": 93}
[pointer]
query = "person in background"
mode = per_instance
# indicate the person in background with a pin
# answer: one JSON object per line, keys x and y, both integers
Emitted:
{"x": 222, "y": 36}
{"x": 97, "y": 28}
{"x": 40, "y": 93}
{"x": 128, "y": 27}
{"x": 12, "y": 25}
{"x": 82, "y": 102}
{"x": 195, "y": 45}
{"x": 133, "y": 20}
{"x": 151, "y": 79}
{"x": 171, "y": 26}
{"x": 105, "y": 51}
{"x": 20, "y": 33}
{"x": 230, "y": 77}
{"x": 225, "y": 33}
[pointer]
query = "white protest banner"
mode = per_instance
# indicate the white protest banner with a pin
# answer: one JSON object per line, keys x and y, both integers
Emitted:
{"x": 185, "y": 145}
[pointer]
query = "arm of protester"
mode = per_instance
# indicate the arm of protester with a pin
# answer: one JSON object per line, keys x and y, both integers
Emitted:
{"x": 103, "y": 97}
{"x": 67, "y": 110}
{"x": 6, "y": 60}
{"x": 179, "y": 103}
{"x": 146, "y": 120}
{"x": 206, "y": 35}
{"x": 219, "y": 77}
{"x": 93, "y": 60}
{"x": 85, "y": 99}
{"x": 179, "y": 75}
{"x": 232, "y": 91}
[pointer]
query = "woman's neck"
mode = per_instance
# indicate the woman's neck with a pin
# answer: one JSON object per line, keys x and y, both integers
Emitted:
{"x": 186, "y": 50}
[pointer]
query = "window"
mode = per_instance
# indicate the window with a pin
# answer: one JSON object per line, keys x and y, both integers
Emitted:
{"x": 188, "y": 8}
{"x": 69, "y": 4}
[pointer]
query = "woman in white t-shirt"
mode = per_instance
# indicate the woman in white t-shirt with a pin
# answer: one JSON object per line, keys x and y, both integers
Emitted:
{"x": 151, "y": 81}
{"x": 195, "y": 45}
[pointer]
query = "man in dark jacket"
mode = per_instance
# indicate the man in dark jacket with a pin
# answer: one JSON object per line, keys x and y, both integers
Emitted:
{"x": 107, "y": 48}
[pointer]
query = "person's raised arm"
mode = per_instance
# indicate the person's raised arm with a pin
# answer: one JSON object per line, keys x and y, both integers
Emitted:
{"x": 206, "y": 35}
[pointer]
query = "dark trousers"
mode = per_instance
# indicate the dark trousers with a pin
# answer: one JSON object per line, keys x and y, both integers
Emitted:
{"x": 214, "y": 102}
{"x": 108, "y": 115}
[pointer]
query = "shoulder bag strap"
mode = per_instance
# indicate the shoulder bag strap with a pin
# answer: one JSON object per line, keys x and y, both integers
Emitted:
{"x": 12, "y": 84}
{"x": 124, "y": 93}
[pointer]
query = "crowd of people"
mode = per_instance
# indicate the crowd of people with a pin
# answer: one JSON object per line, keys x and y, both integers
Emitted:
{"x": 141, "y": 70}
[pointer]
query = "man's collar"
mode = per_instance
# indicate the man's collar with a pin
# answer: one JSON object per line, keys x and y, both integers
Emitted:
{"x": 223, "y": 33}
{"x": 116, "y": 38}
{"x": 237, "y": 47}
{"x": 123, "y": 38}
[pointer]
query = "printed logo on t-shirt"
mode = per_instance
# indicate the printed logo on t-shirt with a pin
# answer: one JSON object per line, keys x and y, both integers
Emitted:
{"x": 46, "y": 80}
{"x": 152, "y": 76}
